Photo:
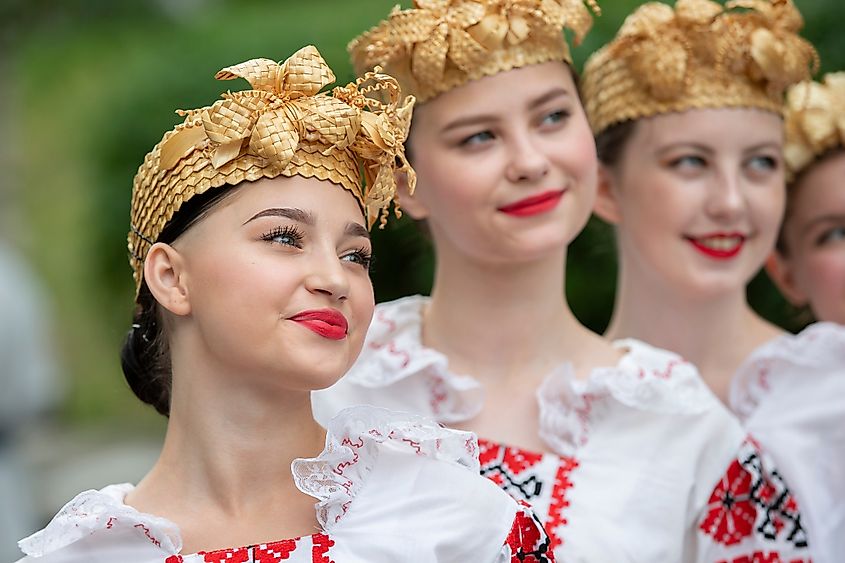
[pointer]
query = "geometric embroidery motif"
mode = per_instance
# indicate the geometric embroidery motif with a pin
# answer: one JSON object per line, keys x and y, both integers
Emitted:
{"x": 748, "y": 500}
{"x": 541, "y": 480}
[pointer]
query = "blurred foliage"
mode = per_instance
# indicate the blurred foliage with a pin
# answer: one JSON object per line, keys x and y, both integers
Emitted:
{"x": 95, "y": 83}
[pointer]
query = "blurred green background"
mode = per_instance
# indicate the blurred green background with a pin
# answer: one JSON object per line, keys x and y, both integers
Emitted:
{"x": 90, "y": 86}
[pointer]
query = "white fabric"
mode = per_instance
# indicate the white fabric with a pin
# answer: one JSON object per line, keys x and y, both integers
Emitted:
{"x": 637, "y": 452}
{"x": 790, "y": 394}
{"x": 391, "y": 487}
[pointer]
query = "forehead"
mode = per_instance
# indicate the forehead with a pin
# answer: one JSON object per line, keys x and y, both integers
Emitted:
{"x": 723, "y": 127}
{"x": 821, "y": 189}
{"x": 503, "y": 92}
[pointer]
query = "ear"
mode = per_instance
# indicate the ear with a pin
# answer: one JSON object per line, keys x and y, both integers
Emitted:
{"x": 410, "y": 204}
{"x": 782, "y": 273}
{"x": 164, "y": 274}
{"x": 607, "y": 200}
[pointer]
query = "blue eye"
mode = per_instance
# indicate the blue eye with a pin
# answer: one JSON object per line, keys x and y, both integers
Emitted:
{"x": 555, "y": 117}
{"x": 688, "y": 161}
{"x": 361, "y": 256}
{"x": 477, "y": 139}
{"x": 287, "y": 236}
{"x": 763, "y": 163}
{"x": 834, "y": 235}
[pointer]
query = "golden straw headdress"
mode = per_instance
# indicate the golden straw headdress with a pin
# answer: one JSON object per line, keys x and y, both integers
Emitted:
{"x": 815, "y": 120}
{"x": 282, "y": 126}
{"x": 698, "y": 55}
{"x": 441, "y": 44}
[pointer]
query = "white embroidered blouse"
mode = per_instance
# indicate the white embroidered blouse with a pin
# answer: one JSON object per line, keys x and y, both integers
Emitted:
{"x": 790, "y": 395}
{"x": 390, "y": 488}
{"x": 643, "y": 463}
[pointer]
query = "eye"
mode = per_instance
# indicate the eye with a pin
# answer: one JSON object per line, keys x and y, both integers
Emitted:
{"x": 287, "y": 236}
{"x": 477, "y": 139}
{"x": 830, "y": 236}
{"x": 763, "y": 163}
{"x": 688, "y": 162}
{"x": 360, "y": 256}
{"x": 555, "y": 117}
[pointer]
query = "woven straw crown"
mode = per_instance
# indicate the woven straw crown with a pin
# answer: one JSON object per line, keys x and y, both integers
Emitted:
{"x": 283, "y": 126}
{"x": 441, "y": 44}
{"x": 815, "y": 120}
{"x": 699, "y": 55}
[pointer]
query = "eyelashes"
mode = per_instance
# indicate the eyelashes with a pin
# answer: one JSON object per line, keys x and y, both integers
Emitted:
{"x": 292, "y": 236}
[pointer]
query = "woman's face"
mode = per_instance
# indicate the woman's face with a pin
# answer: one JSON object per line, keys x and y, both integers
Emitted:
{"x": 697, "y": 198}
{"x": 506, "y": 165}
{"x": 813, "y": 270}
{"x": 277, "y": 280}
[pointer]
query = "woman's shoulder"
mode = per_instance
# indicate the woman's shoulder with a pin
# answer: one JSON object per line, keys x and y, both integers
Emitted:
{"x": 98, "y": 521}
{"x": 409, "y": 481}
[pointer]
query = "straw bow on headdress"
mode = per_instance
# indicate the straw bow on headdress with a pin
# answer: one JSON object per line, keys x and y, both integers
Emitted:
{"x": 282, "y": 126}
{"x": 439, "y": 44}
{"x": 660, "y": 43}
{"x": 696, "y": 55}
{"x": 815, "y": 120}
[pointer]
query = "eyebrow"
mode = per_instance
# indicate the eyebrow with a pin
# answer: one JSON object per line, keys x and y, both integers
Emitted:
{"x": 288, "y": 212}
{"x": 485, "y": 118}
{"x": 356, "y": 230}
{"x": 830, "y": 218}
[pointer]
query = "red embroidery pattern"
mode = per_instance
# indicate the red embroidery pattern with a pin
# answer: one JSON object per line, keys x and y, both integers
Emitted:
{"x": 748, "y": 501}
{"x": 522, "y": 475}
{"x": 149, "y": 534}
{"x": 274, "y": 552}
{"x": 174, "y": 559}
{"x": 239, "y": 555}
{"x": 526, "y": 540}
{"x": 761, "y": 557}
{"x": 559, "y": 502}
{"x": 322, "y": 544}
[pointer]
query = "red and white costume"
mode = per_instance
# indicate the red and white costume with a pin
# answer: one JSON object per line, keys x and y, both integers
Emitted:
{"x": 390, "y": 488}
{"x": 643, "y": 463}
{"x": 790, "y": 395}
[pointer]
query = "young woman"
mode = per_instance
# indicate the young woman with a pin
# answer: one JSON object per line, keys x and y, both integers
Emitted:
{"x": 692, "y": 178}
{"x": 809, "y": 263}
{"x": 621, "y": 442}
{"x": 250, "y": 252}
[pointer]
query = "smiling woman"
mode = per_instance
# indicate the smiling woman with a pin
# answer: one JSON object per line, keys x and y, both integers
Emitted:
{"x": 250, "y": 249}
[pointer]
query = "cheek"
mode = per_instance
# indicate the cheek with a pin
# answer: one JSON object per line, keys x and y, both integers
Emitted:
{"x": 824, "y": 272}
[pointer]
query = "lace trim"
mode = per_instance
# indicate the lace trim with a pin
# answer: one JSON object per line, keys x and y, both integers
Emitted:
{"x": 92, "y": 511}
{"x": 816, "y": 351}
{"x": 646, "y": 378}
{"x": 353, "y": 440}
{"x": 394, "y": 352}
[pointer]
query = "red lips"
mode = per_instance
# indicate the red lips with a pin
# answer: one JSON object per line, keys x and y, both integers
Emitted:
{"x": 534, "y": 205}
{"x": 328, "y": 323}
{"x": 719, "y": 246}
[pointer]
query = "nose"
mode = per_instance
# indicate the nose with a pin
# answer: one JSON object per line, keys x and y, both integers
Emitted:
{"x": 528, "y": 163}
{"x": 327, "y": 276}
{"x": 726, "y": 198}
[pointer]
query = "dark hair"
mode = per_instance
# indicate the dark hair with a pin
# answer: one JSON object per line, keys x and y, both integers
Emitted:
{"x": 611, "y": 142}
{"x": 145, "y": 356}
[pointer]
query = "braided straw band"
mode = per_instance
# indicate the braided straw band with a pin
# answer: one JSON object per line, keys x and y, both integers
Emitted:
{"x": 283, "y": 126}
{"x": 442, "y": 44}
{"x": 699, "y": 55}
{"x": 815, "y": 120}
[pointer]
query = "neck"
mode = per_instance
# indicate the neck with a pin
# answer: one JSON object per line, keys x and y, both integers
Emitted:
{"x": 229, "y": 446}
{"x": 715, "y": 333}
{"x": 495, "y": 320}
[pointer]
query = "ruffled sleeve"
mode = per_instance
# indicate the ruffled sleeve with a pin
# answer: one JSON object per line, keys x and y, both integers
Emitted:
{"x": 646, "y": 379}
{"x": 94, "y": 512}
{"x": 790, "y": 395}
{"x": 356, "y": 437}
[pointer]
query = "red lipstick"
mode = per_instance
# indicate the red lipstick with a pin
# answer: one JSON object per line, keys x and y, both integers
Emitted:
{"x": 719, "y": 246}
{"x": 328, "y": 323}
{"x": 534, "y": 205}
